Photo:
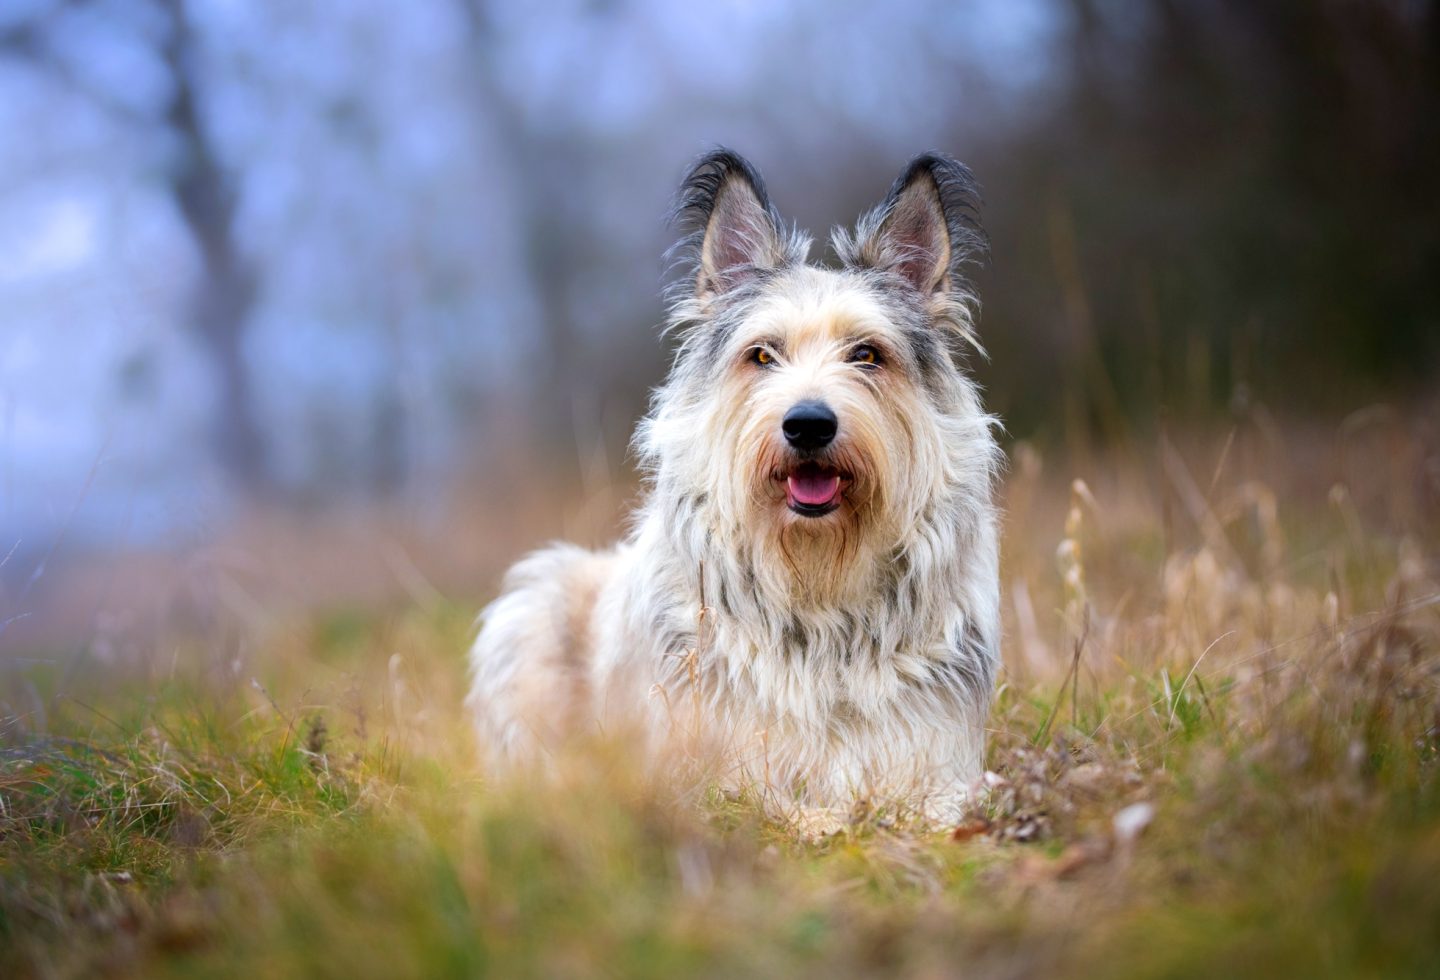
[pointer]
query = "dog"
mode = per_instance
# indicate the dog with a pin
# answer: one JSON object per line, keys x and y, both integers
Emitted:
{"x": 808, "y": 598}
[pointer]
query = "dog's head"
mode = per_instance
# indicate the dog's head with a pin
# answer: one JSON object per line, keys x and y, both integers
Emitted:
{"x": 824, "y": 411}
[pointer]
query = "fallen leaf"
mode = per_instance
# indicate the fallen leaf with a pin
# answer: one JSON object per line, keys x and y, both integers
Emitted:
{"x": 970, "y": 828}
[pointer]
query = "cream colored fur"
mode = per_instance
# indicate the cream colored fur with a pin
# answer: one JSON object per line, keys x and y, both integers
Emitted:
{"x": 812, "y": 660}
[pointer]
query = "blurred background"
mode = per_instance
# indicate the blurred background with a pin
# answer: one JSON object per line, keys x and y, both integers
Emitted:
{"x": 315, "y": 303}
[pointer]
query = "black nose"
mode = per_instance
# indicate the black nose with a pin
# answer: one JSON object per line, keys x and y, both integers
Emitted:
{"x": 810, "y": 425}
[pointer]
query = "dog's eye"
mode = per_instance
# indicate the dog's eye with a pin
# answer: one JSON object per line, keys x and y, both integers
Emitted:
{"x": 864, "y": 354}
{"x": 761, "y": 356}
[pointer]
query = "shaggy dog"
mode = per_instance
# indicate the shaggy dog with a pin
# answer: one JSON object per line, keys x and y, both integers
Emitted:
{"x": 808, "y": 599}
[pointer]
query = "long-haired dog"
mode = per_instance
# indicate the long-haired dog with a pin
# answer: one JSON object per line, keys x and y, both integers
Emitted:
{"x": 809, "y": 593}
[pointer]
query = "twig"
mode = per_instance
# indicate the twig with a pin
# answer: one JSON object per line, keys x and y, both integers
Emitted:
{"x": 1175, "y": 700}
{"x": 1072, "y": 675}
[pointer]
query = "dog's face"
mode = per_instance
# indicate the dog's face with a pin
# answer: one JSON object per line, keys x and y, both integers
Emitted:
{"x": 820, "y": 412}
{"x": 819, "y": 401}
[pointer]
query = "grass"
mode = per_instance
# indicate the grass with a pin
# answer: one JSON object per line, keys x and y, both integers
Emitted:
{"x": 1214, "y": 752}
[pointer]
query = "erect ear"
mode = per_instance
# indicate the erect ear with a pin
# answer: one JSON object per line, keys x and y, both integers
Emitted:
{"x": 927, "y": 228}
{"x": 733, "y": 232}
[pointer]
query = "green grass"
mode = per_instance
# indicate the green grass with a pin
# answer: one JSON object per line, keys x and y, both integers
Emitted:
{"x": 317, "y": 811}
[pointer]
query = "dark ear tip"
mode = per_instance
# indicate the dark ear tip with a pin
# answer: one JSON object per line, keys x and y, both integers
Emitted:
{"x": 705, "y": 179}
{"x": 958, "y": 191}
{"x": 953, "y": 180}
{"x": 723, "y": 160}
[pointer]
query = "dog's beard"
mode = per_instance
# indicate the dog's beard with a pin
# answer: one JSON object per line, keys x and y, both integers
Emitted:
{"x": 816, "y": 553}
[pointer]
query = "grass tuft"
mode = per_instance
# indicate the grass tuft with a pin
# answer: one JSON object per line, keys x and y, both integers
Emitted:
{"x": 1227, "y": 766}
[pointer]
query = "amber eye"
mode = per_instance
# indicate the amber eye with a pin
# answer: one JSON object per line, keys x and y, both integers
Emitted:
{"x": 864, "y": 354}
{"x": 761, "y": 356}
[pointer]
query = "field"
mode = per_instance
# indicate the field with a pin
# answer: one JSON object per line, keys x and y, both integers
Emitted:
{"x": 1214, "y": 752}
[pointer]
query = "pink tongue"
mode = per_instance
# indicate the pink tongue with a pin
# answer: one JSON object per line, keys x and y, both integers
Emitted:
{"x": 813, "y": 487}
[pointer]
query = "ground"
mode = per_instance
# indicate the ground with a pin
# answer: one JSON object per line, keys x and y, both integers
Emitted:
{"x": 1213, "y": 752}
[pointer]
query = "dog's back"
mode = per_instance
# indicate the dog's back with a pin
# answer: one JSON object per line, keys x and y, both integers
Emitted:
{"x": 531, "y": 661}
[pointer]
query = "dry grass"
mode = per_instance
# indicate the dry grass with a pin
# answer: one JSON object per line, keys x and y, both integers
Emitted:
{"x": 1214, "y": 752}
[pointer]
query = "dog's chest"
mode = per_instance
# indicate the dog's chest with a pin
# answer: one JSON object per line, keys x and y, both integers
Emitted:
{"x": 839, "y": 670}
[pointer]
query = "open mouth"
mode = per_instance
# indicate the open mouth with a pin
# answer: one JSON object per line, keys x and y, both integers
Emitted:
{"x": 813, "y": 489}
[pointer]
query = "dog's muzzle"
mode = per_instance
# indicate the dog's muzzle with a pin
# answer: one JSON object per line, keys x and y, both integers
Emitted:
{"x": 813, "y": 486}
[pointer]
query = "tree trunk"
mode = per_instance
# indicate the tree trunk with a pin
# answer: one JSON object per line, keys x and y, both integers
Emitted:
{"x": 225, "y": 295}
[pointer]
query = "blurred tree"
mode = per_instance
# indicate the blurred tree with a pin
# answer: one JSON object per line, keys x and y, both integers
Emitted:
{"x": 454, "y": 206}
{"x": 225, "y": 295}
{"x": 204, "y": 196}
{"x": 1221, "y": 195}
{"x": 544, "y": 178}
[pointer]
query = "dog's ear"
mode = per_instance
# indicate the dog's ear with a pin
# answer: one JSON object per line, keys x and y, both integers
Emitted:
{"x": 732, "y": 230}
{"x": 926, "y": 230}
